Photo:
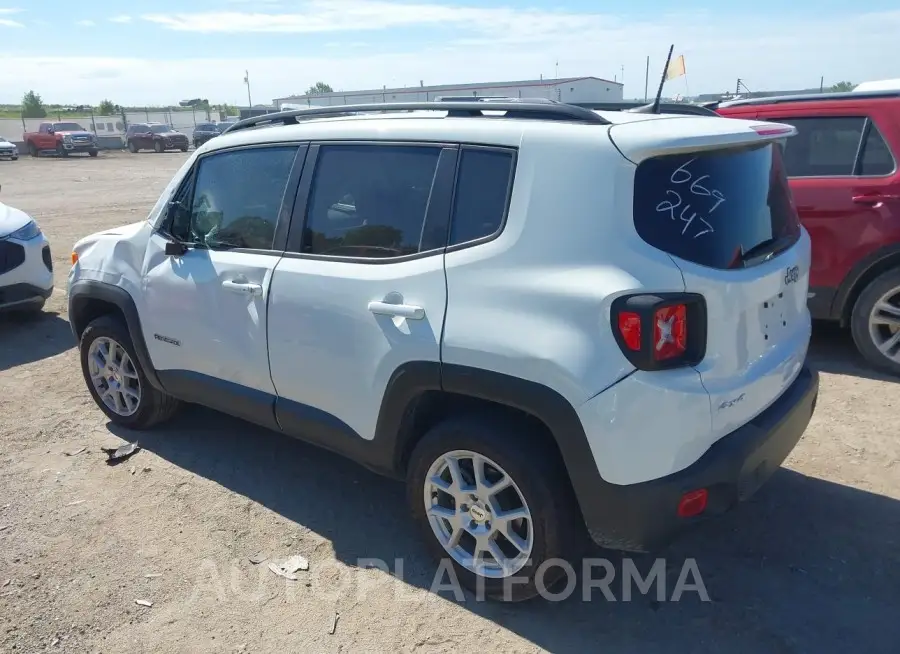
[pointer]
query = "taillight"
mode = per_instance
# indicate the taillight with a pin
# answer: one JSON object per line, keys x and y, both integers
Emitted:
{"x": 659, "y": 331}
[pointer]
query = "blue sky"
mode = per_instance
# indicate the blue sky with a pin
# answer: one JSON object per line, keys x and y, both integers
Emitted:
{"x": 161, "y": 51}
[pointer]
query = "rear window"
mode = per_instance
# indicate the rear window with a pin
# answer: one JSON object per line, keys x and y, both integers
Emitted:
{"x": 713, "y": 208}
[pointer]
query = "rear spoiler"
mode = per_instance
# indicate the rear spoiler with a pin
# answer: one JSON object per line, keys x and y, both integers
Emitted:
{"x": 653, "y": 138}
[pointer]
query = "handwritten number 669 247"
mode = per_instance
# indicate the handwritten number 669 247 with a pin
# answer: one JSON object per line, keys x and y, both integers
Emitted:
{"x": 674, "y": 201}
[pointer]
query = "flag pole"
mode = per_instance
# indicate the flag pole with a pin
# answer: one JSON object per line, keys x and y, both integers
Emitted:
{"x": 647, "y": 78}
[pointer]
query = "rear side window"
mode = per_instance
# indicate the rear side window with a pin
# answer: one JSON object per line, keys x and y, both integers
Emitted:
{"x": 713, "y": 208}
{"x": 369, "y": 200}
{"x": 482, "y": 193}
{"x": 876, "y": 158}
{"x": 823, "y": 147}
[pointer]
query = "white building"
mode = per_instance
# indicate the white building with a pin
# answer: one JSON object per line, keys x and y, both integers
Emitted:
{"x": 567, "y": 89}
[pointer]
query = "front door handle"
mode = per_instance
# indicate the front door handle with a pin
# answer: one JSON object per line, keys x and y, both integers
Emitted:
{"x": 242, "y": 288}
{"x": 874, "y": 198}
{"x": 397, "y": 310}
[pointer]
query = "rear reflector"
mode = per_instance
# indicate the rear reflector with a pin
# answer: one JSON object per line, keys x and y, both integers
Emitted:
{"x": 693, "y": 503}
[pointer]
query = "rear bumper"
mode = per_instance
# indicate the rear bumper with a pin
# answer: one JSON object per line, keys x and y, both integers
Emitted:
{"x": 644, "y": 516}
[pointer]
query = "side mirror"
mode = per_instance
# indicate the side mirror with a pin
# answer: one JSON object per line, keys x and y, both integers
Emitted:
{"x": 175, "y": 249}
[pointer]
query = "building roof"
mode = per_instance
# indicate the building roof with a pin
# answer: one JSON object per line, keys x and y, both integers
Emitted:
{"x": 451, "y": 87}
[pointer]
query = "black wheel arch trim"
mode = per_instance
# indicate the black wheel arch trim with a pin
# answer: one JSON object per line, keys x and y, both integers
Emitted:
{"x": 841, "y": 305}
{"x": 82, "y": 292}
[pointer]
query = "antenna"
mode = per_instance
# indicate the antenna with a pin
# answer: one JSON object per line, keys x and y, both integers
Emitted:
{"x": 653, "y": 108}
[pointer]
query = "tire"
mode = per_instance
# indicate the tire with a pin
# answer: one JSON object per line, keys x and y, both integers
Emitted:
{"x": 158, "y": 147}
{"x": 153, "y": 406}
{"x": 196, "y": 145}
{"x": 885, "y": 287}
{"x": 131, "y": 147}
{"x": 93, "y": 153}
{"x": 184, "y": 149}
{"x": 538, "y": 476}
{"x": 61, "y": 151}
{"x": 33, "y": 151}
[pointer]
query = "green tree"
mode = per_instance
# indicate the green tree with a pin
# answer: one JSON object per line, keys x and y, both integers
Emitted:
{"x": 842, "y": 87}
{"x": 107, "y": 108}
{"x": 319, "y": 88}
{"x": 33, "y": 106}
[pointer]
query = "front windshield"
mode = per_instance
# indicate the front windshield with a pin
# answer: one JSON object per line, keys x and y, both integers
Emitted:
{"x": 67, "y": 127}
{"x": 160, "y": 129}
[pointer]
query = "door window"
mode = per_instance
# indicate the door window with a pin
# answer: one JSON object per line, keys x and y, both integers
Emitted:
{"x": 369, "y": 200}
{"x": 823, "y": 147}
{"x": 234, "y": 199}
{"x": 482, "y": 193}
{"x": 876, "y": 158}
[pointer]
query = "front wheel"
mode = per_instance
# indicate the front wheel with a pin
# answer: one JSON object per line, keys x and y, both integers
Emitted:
{"x": 116, "y": 380}
{"x": 132, "y": 148}
{"x": 32, "y": 150}
{"x": 493, "y": 499}
{"x": 875, "y": 322}
{"x": 61, "y": 151}
{"x": 93, "y": 153}
{"x": 158, "y": 147}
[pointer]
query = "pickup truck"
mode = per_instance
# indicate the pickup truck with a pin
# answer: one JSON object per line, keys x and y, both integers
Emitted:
{"x": 61, "y": 138}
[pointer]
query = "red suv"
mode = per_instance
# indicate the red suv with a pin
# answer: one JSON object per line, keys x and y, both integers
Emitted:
{"x": 842, "y": 168}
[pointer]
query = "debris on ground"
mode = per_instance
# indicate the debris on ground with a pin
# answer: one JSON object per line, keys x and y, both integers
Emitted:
{"x": 334, "y": 621}
{"x": 295, "y": 564}
{"x": 6, "y": 583}
{"x": 76, "y": 503}
{"x": 118, "y": 454}
{"x": 146, "y": 469}
{"x": 274, "y": 567}
{"x": 152, "y": 575}
{"x": 4, "y": 527}
{"x": 143, "y": 603}
{"x": 133, "y": 470}
{"x": 76, "y": 452}
{"x": 257, "y": 558}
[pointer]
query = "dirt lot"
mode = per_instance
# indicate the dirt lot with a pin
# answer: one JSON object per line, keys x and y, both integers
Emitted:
{"x": 812, "y": 564}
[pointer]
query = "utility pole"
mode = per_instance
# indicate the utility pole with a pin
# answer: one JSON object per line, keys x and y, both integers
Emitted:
{"x": 737, "y": 87}
{"x": 623, "y": 75}
{"x": 822, "y": 84}
{"x": 647, "y": 78}
{"x": 247, "y": 82}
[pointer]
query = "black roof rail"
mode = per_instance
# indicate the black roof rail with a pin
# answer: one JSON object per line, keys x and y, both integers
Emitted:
{"x": 534, "y": 111}
{"x": 812, "y": 97}
{"x": 664, "y": 107}
{"x": 493, "y": 98}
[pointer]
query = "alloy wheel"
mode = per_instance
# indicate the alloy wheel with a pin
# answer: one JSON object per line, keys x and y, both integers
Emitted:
{"x": 884, "y": 324}
{"x": 114, "y": 376}
{"x": 478, "y": 514}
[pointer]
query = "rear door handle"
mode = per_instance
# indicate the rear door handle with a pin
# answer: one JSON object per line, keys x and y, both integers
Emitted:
{"x": 242, "y": 288}
{"x": 875, "y": 198}
{"x": 397, "y": 310}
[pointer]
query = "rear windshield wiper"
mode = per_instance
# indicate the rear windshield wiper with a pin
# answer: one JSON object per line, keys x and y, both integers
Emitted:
{"x": 767, "y": 249}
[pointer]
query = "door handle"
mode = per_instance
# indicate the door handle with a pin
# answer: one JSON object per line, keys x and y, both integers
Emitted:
{"x": 875, "y": 198}
{"x": 397, "y": 310}
{"x": 242, "y": 288}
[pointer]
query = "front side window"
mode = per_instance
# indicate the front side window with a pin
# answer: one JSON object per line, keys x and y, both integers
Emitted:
{"x": 369, "y": 200}
{"x": 234, "y": 198}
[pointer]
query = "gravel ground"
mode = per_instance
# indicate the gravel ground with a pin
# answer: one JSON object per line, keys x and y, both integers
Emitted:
{"x": 809, "y": 565}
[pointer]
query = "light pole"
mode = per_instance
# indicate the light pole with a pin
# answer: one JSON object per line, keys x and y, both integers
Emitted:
{"x": 247, "y": 82}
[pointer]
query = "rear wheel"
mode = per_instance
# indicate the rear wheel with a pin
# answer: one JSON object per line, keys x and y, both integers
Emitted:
{"x": 875, "y": 322}
{"x": 494, "y": 500}
{"x": 184, "y": 148}
{"x": 116, "y": 380}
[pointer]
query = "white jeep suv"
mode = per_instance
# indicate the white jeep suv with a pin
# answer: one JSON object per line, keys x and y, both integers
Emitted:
{"x": 545, "y": 319}
{"x": 26, "y": 267}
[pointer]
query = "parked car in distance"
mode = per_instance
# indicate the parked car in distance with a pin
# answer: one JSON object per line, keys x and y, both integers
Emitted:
{"x": 507, "y": 307}
{"x": 26, "y": 266}
{"x": 206, "y": 131}
{"x": 154, "y": 136}
{"x": 8, "y": 150}
{"x": 63, "y": 138}
{"x": 843, "y": 173}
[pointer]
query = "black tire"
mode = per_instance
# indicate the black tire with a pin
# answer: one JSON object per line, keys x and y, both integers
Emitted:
{"x": 158, "y": 147}
{"x": 93, "y": 153}
{"x": 859, "y": 321}
{"x": 196, "y": 145}
{"x": 535, "y": 466}
{"x": 14, "y": 158}
{"x": 184, "y": 148}
{"x": 132, "y": 148}
{"x": 155, "y": 407}
{"x": 33, "y": 151}
{"x": 61, "y": 151}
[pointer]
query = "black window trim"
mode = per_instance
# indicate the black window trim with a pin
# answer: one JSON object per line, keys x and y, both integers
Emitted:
{"x": 288, "y": 199}
{"x": 443, "y": 184}
{"x": 509, "y": 187}
{"x": 868, "y": 125}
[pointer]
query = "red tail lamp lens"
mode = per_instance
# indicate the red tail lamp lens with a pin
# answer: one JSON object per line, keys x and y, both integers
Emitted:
{"x": 669, "y": 332}
{"x": 693, "y": 503}
{"x": 630, "y": 328}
